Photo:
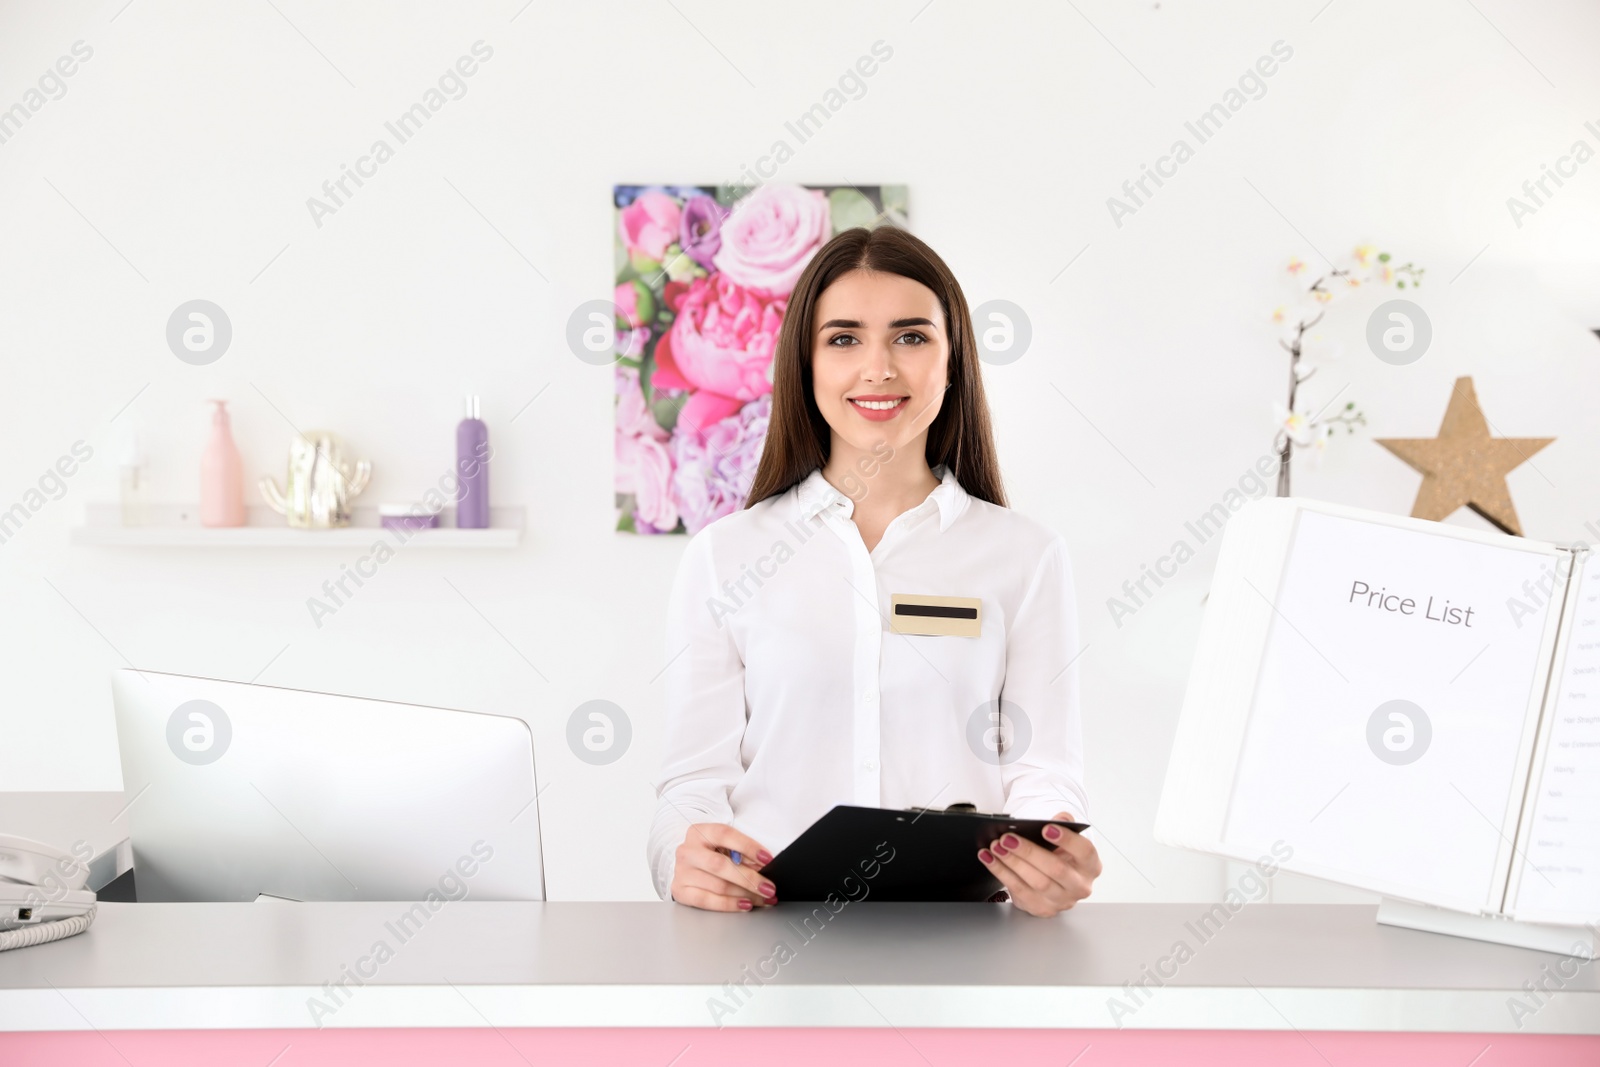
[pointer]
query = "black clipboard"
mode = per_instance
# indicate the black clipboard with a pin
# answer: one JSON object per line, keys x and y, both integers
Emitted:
{"x": 855, "y": 853}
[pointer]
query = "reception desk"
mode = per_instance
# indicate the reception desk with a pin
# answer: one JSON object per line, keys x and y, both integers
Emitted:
{"x": 292, "y": 985}
{"x": 1296, "y": 982}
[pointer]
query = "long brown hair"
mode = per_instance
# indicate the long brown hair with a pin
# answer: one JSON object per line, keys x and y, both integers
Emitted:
{"x": 798, "y": 439}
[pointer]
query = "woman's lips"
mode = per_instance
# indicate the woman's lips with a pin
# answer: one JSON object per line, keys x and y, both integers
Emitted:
{"x": 881, "y": 410}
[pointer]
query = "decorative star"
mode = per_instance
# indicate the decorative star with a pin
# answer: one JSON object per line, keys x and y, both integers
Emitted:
{"x": 1464, "y": 466}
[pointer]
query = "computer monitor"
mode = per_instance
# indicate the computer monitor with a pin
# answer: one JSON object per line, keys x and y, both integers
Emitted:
{"x": 237, "y": 791}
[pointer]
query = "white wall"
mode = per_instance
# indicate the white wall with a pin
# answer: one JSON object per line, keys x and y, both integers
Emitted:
{"x": 185, "y": 149}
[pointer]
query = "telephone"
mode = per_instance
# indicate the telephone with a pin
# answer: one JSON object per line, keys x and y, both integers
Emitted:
{"x": 43, "y": 894}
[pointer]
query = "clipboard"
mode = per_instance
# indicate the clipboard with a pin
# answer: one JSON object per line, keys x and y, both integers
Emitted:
{"x": 911, "y": 854}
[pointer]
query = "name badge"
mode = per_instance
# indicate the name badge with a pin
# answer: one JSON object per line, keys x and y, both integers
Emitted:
{"x": 935, "y": 616}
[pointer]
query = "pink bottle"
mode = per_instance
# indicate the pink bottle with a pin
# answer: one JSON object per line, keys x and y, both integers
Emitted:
{"x": 221, "y": 474}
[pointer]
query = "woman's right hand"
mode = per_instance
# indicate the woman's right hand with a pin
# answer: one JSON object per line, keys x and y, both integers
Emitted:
{"x": 706, "y": 876}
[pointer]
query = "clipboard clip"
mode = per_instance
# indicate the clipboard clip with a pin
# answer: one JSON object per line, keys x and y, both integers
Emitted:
{"x": 963, "y": 808}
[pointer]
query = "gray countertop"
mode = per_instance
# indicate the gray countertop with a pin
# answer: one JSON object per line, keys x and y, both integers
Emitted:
{"x": 475, "y": 963}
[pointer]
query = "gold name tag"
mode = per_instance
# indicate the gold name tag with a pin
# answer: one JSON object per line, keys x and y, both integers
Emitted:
{"x": 935, "y": 616}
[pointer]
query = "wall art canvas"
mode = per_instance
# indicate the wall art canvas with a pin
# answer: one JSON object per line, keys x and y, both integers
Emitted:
{"x": 703, "y": 275}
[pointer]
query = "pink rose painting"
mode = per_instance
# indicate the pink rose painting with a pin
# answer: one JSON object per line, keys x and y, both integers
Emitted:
{"x": 703, "y": 276}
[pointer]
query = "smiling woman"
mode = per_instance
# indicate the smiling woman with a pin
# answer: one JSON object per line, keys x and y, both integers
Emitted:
{"x": 878, "y": 479}
{"x": 831, "y": 350}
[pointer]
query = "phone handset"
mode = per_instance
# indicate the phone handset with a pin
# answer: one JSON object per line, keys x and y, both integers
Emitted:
{"x": 43, "y": 893}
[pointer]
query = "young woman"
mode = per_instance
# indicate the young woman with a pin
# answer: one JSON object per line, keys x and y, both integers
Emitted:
{"x": 788, "y": 692}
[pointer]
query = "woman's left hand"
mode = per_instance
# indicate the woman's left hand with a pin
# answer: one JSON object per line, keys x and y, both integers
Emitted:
{"x": 1044, "y": 881}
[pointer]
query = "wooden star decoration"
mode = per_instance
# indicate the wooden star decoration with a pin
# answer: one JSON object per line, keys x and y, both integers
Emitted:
{"x": 1464, "y": 466}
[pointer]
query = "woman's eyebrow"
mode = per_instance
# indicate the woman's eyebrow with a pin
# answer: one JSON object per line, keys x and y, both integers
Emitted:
{"x": 855, "y": 324}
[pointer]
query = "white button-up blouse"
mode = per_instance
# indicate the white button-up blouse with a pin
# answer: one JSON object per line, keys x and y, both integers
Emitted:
{"x": 787, "y": 692}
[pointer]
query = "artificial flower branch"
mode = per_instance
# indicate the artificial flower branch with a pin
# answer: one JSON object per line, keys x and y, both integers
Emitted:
{"x": 1296, "y": 425}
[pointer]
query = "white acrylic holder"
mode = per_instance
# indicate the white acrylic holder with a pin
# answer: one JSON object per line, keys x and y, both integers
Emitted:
{"x": 1576, "y": 941}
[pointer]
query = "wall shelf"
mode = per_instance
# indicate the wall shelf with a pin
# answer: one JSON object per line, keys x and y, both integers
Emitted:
{"x": 178, "y": 526}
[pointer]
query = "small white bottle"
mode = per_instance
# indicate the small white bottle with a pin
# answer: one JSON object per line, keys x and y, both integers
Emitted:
{"x": 133, "y": 481}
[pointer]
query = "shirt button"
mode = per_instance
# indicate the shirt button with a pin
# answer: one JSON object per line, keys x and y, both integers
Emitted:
{"x": 871, "y": 764}
{"x": 869, "y": 695}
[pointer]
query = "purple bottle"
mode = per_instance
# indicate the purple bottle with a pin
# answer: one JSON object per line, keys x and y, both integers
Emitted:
{"x": 472, "y": 467}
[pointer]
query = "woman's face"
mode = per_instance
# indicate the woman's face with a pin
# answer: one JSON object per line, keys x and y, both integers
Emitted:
{"x": 879, "y": 358}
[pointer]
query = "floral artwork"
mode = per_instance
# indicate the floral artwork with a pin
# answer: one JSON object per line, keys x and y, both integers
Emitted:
{"x": 1298, "y": 424}
{"x": 703, "y": 275}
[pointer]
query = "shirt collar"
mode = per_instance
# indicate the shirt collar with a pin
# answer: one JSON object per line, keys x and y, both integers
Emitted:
{"x": 815, "y": 493}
